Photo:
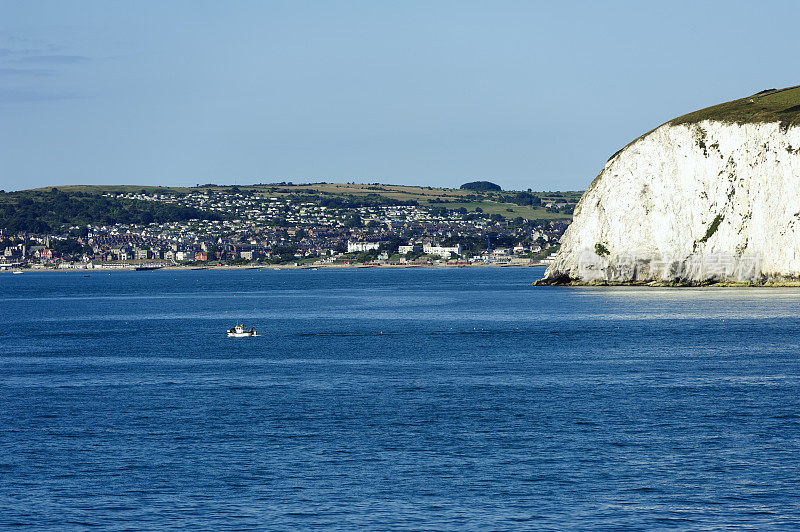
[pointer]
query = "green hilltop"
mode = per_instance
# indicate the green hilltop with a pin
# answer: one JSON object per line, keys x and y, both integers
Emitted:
{"x": 771, "y": 105}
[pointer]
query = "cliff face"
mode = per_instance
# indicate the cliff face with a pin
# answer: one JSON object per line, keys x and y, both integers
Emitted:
{"x": 691, "y": 202}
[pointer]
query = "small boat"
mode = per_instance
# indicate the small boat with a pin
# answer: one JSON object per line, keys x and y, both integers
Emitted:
{"x": 240, "y": 332}
{"x": 16, "y": 272}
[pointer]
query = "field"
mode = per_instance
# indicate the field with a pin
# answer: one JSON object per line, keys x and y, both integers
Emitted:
{"x": 509, "y": 210}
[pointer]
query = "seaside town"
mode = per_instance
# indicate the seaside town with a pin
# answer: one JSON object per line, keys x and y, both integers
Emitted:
{"x": 232, "y": 227}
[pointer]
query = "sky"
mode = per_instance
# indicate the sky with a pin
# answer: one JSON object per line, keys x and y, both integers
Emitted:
{"x": 436, "y": 93}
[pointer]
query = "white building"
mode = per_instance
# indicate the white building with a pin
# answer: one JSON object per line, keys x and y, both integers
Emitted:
{"x": 407, "y": 249}
{"x": 442, "y": 251}
{"x": 353, "y": 247}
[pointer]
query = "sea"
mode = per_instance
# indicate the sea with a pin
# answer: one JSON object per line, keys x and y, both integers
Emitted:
{"x": 394, "y": 399}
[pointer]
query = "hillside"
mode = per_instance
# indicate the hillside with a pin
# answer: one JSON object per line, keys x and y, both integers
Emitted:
{"x": 277, "y": 224}
{"x": 50, "y": 209}
{"x": 46, "y": 211}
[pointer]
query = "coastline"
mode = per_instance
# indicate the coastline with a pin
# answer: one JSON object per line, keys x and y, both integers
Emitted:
{"x": 101, "y": 268}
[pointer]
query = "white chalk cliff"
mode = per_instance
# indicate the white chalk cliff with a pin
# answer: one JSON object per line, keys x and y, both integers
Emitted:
{"x": 692, "y": 202}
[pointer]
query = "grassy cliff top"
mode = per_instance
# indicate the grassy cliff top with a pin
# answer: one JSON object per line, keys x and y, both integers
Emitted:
{"x": 772, "y": 105}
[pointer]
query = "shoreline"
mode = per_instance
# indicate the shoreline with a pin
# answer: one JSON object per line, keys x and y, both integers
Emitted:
{"x": 101, "y": 268}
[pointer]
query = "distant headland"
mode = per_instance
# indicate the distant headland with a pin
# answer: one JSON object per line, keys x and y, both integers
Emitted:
{"x": 279, "y": 225}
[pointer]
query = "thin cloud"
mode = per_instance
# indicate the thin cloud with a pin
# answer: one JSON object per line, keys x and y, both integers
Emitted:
{"x": 46, "y": 54}
{"x": 37, "y": 72}
{"x": 52, "y": 59}
{"x": 22, "y": 65}
{"x": 18, "y": 96}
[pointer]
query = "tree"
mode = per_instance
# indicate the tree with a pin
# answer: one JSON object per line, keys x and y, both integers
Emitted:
{"x": 67, "y": 247}
{"x": 482, "y": 186}
{"x": 354, "y": 220}
{"x": 367, "y": 256}
{"x": 392, "y": 245}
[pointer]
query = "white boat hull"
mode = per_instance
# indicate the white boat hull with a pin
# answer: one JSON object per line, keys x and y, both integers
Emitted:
{"x": 240, "y": 332}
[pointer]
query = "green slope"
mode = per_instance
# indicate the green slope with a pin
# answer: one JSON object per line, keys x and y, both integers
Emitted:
{"x": 782, "y": 105}
{"x": 42, "y": 211}
{"x": 771, "y": 105}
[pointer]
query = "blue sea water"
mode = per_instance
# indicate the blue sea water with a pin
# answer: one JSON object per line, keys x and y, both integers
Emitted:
{"x": 394, "y": 399}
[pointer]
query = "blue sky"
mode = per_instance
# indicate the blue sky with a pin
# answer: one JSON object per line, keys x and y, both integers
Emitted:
{"x": 526, "y": 94}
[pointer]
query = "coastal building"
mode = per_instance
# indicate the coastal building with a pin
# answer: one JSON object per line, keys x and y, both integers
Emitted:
{"x": 499, "y": 254}
{"x": 442, "y": 251}
{"x": 357, "y": 247}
